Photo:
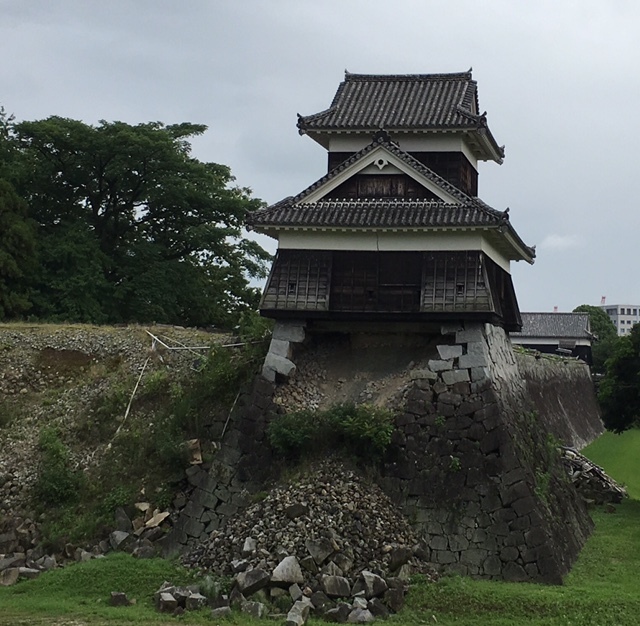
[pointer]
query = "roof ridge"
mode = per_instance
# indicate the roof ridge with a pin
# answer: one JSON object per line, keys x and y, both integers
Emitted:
{"x": 349, "y": 76}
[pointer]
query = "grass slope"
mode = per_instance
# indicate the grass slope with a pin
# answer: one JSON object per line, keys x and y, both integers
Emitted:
{"x": 619, "y": 455}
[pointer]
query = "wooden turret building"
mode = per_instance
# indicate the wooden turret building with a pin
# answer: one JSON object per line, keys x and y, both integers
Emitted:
{"x": 395, "y": 231}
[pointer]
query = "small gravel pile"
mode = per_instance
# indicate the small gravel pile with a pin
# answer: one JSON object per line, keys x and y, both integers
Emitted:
{"x": 333, "y": 509}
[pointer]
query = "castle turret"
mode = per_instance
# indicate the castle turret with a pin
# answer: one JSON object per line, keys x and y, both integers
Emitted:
{"x": 395, "y": 231}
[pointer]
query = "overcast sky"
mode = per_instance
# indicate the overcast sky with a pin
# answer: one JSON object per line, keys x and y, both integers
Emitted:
{"x": 559, "y": 80}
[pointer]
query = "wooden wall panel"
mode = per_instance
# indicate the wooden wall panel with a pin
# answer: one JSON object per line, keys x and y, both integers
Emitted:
{"x": 299, "y": 280}
{"x": 455, "y": 281}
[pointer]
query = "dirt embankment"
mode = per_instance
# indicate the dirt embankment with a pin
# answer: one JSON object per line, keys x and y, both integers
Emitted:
{"x": 61, "y": 376}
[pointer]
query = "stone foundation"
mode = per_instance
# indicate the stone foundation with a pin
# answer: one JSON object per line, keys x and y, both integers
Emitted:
{"x": 473, "y": 462}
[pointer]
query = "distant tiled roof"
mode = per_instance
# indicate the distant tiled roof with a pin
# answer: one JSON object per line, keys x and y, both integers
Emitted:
{"x": 402, "y": 102}
{"x": 382, "y": 139}
{"x": 556, "y": 325}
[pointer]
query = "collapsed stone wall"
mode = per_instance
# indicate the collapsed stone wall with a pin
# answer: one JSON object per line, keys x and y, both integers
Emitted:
{"x": 242, "y": 464}
{"x": 474, "y": 467}
{"x": 473, "y": 463}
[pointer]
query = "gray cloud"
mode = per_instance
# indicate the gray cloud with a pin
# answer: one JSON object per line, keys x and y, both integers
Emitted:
{"x": 558, "y": 80}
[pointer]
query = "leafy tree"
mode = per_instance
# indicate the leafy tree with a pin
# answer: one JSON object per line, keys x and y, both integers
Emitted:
{"x": 17, "y": 245}
{"x": 619, "y": 392}
{"x": 606, "y": 335}
{"x": 131, "y": 227}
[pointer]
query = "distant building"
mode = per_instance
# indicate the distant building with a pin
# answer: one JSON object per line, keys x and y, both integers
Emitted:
{"x": 568, "y": 334}
{"x": 623, "y": 316}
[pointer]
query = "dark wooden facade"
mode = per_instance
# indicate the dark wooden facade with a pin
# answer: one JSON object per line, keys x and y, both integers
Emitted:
{"x": 454, "y": 167}
{"x": 411, "y": 286}
{"x": 381, "y": 186}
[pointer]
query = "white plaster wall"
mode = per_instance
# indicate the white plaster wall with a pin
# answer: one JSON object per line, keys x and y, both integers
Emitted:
{"x": 392, "y": 242}
{"x": 413, "y": 142}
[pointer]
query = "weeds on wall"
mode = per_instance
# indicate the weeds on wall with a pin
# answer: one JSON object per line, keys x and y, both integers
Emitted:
{"x": 362, "y": 430}
{"x": 144, "y": 457}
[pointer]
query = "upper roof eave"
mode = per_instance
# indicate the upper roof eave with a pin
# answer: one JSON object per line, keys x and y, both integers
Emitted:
{"x": 403, "y": 103}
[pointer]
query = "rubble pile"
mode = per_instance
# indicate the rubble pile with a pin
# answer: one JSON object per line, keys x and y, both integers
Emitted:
{"x": 331, "y": 520}
{"x": 279, "y": 595}
{"x": 592, "y": 483}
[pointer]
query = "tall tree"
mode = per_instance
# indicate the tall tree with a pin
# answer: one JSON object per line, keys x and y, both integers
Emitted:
{"x": 606, "y": 335}
{"x": 619, "y": 391}
{"x": 132, "y": 227}
{"x": 17, "y": 246}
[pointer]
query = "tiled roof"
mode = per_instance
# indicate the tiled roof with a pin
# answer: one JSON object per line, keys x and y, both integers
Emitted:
{"x": 406, "y": 102}
{"x": 556, "y": 325}
{"x": 402, "y": 102}
{"x": 399, "y": 101}
{"x": 382, "y": 139}
{"x": 377, "y": 213}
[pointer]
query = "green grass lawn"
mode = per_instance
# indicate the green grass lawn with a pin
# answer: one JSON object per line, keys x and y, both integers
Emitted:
{"x": 619, "y": 455}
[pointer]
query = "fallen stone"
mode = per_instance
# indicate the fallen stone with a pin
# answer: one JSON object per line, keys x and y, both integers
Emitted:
{"x": 394, "y": 599}
{"x": 195, "y": 601}
{"x": 9, "y": 576}
{"x": 360, "y": 616}
{"x": 296, "y": 510}
{"x": 371, "y": 584}
{"x": 359, "y": 602}
{"x": 295, "y": 592}
{"x": 167, "y": 603}
{"x": 239, "y": 565}
{"x": 251, "y": 581}
{"x": 255, "y": 609}
{"x": 309, "y": 564}
{"x": 298, "y": 614}
{"x": 249, "y": 546}
{"x": 121, "y": 540}
{"x": 335, "y": 586}
{"x": 118, "y": 598}
{"x": 320, "y": 549}
{"x": 122, "y": 520}
{"x": 339, "y": 614}
{"x": 287, "y": 572}
{"x": 221, "y": 612}
{"x": 157, "y": 519}
{"x": 398, "y": 557}
{"x": 29, "y": 572}
{"x": 321, "y": 602}
{"x": 378, "y": 608}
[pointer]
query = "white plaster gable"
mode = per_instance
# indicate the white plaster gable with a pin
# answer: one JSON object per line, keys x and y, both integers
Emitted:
{"x": 379, "y": 160}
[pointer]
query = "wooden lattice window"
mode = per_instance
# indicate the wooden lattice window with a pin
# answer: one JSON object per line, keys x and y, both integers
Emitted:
{"x": 455, "y": 281}
{"x": 299, "y": 280}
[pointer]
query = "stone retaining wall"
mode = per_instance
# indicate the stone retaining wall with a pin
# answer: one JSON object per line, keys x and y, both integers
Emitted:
{"x": 564, "y": 397}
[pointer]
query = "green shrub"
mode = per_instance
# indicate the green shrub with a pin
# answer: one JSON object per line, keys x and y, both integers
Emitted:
{"x": 57, "y": 483}
{"x": 292, "y": 434}
{"x": 364, "y": 426}
{"x": 359, "y": 429}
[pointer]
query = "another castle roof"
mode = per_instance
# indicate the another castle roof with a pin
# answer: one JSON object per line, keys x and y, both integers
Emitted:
{"x": 555, "y": 325}
{"x": 406, "y": 102}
